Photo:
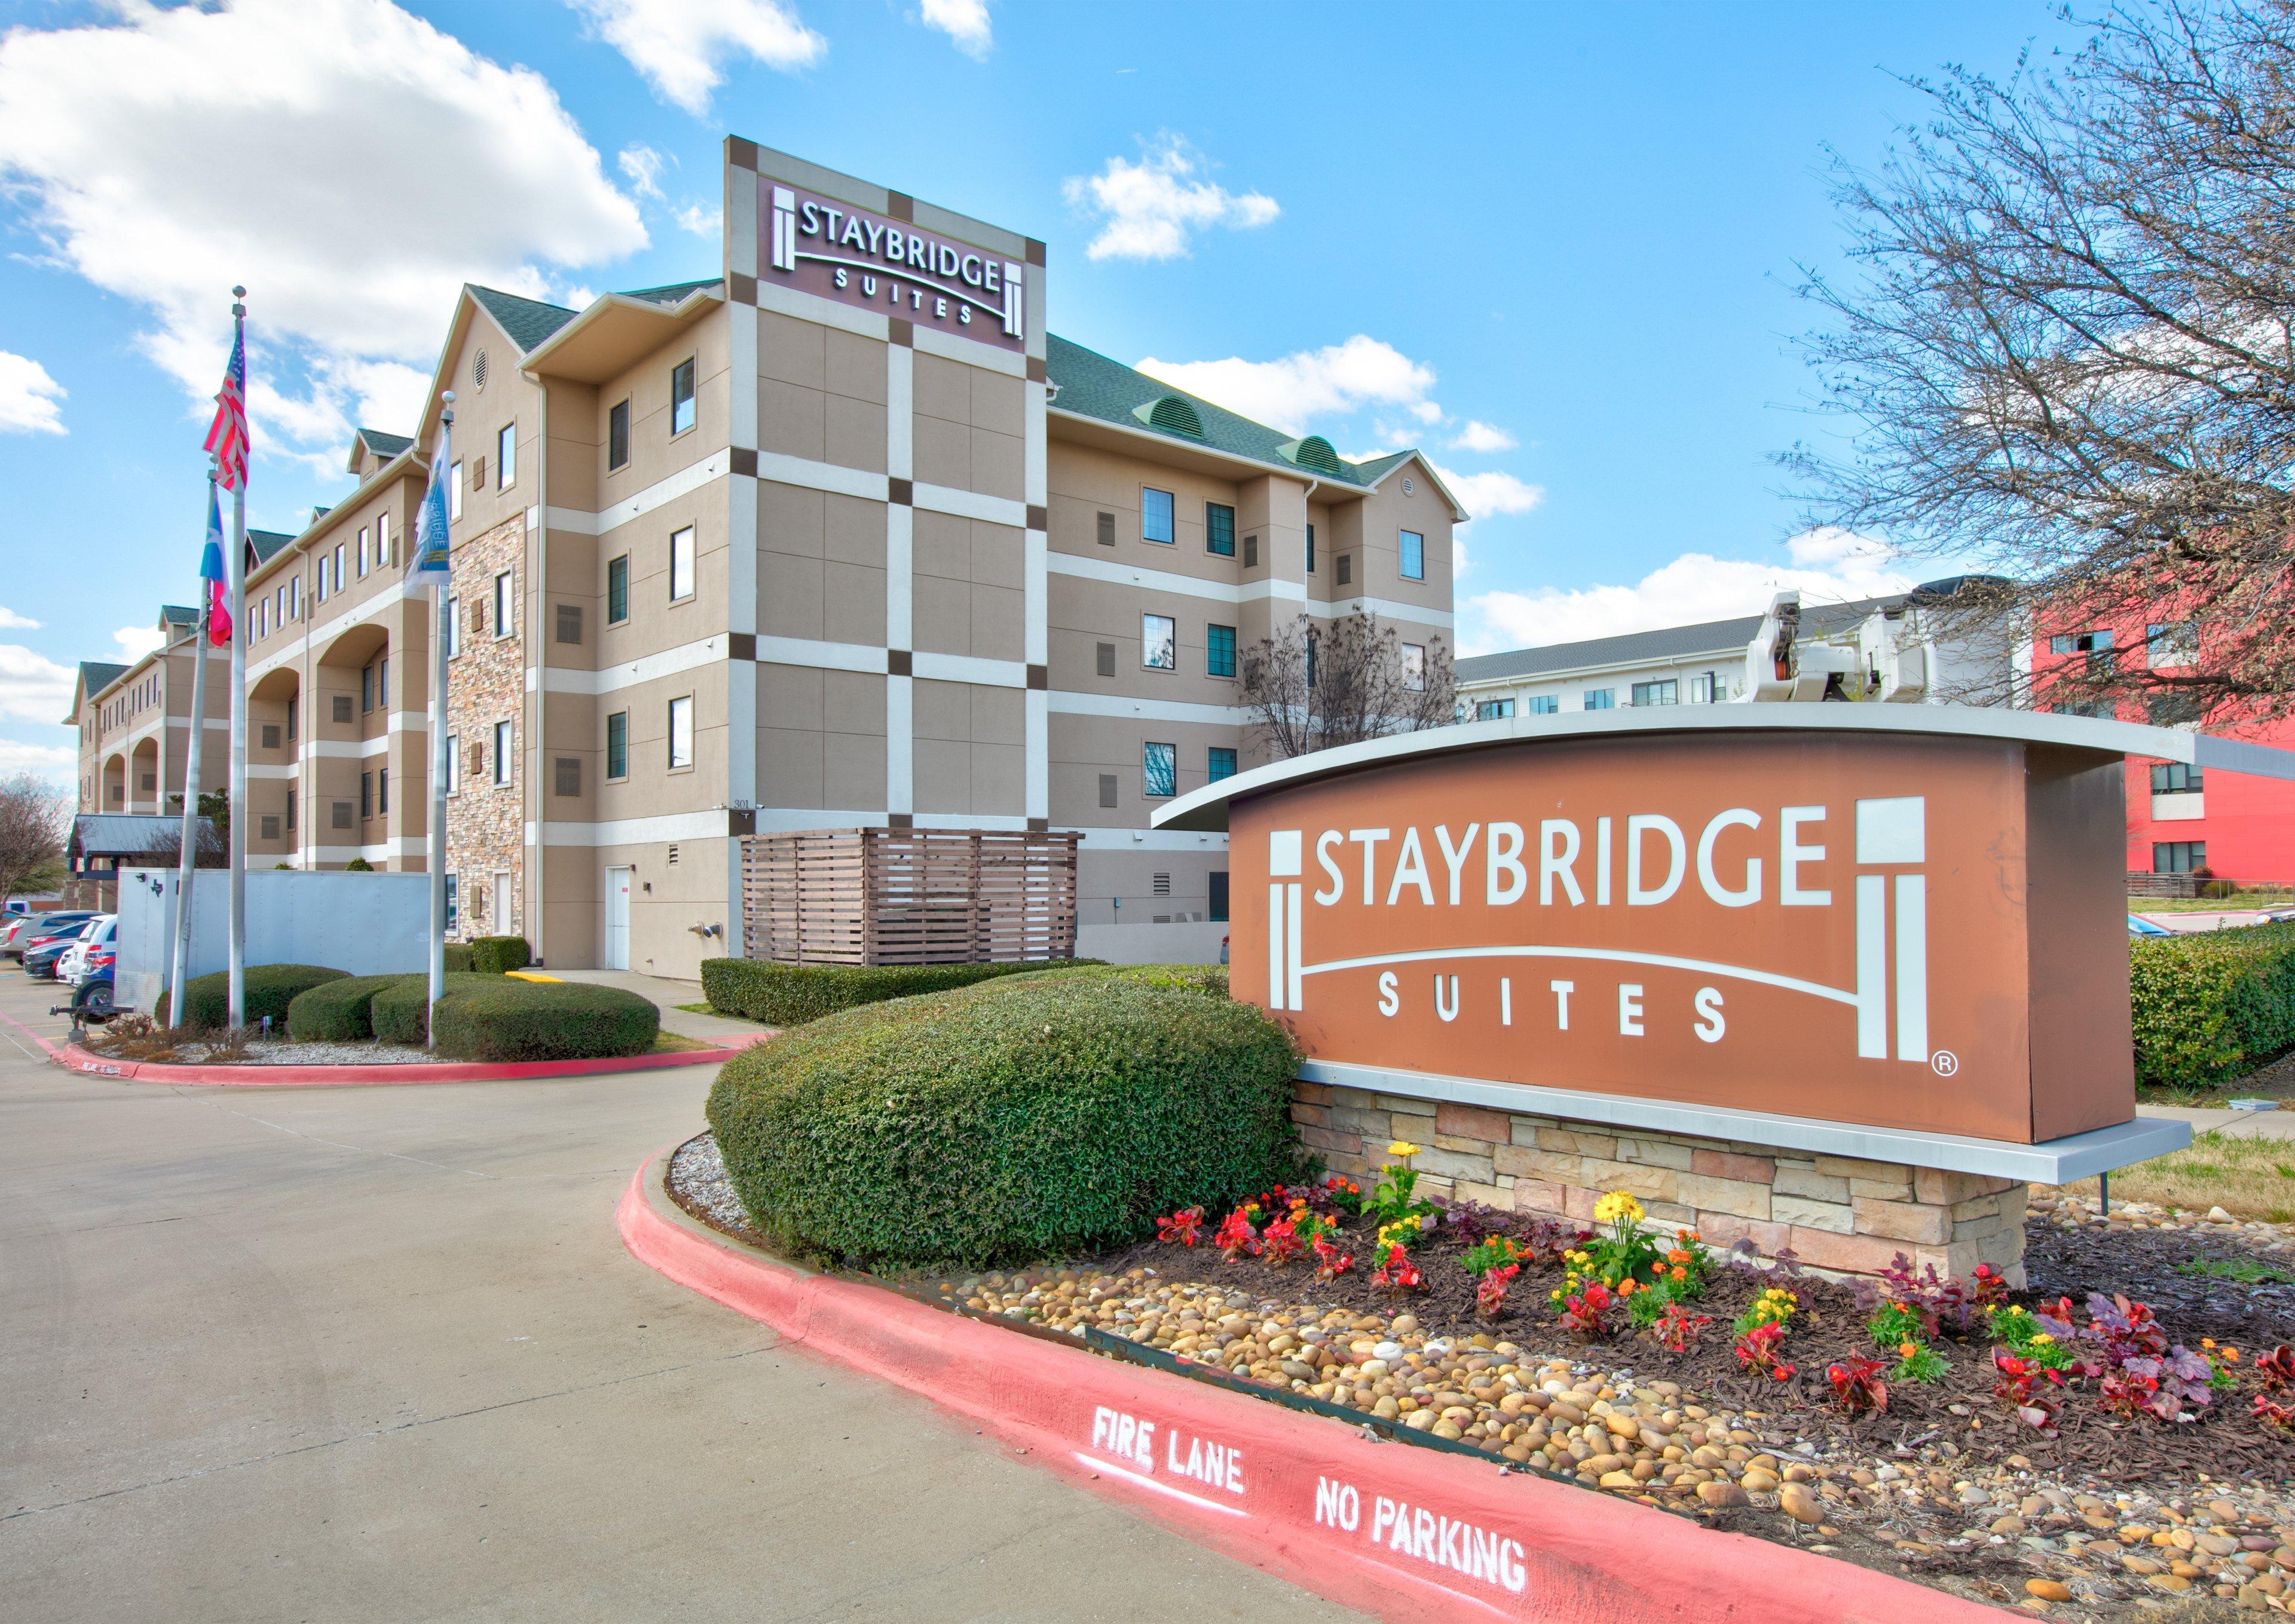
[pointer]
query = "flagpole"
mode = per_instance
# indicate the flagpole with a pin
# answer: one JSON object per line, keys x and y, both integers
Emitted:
{"x": 443, "y": 458}
{"x": 189, "y": 860}
{"x": 236, "y": 962}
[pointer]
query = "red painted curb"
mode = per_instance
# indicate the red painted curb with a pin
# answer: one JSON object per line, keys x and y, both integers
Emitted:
{"x": 73, "y": 1057}
{"x": 1405, "y": 1533}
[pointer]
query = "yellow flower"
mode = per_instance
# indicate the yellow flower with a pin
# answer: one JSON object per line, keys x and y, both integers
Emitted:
{"x": 1615, "y": 1206}
{"x": 1403, "y": 1148}
{"x": 2041, "y": 1339}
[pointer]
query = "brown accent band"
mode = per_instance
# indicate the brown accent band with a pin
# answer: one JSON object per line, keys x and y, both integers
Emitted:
{"x": 1040, "y": 517}
{"x": 1040, "y": 826}
{"x": 1039, "y": 677}
{"x": 741, "y": 645}
{"x": 1035, "y": 252}
{"x": 901, "y": 205}
{"x": 741, "y": 288}
{"x": 743, "y": 460}
{"x": 741, "y": 822}
{"x": 899, "y": 662}
{"x": 904, "y": 333}
{"x": 741, "y": 154}
{"x": 899, "y": 821}
{"x": 1036, "y": 373}
{"x": 901, "y": 492}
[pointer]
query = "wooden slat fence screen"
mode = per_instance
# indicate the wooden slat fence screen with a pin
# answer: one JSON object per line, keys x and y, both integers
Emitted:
{"x": 908, "y": 896}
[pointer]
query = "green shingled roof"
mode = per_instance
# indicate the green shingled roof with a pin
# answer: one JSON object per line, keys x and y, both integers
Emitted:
{"x": 1090, "y": 385}
{"x": 674, "y": 293}
{"x": 177, "y": 614}
{"x": 266, "y": 543}
{"x": 95, "y": 675}
{"x": 384, "y": 446}
{"x": 527, "y": 320}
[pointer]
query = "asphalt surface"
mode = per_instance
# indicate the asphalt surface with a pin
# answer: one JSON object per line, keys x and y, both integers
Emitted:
{"x": 377, "y": 1353}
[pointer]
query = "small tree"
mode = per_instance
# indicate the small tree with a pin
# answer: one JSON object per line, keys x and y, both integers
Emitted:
{"x": 35, "y": 818}
{"x": 163, "y": 847}
{"x": 1314, "y": 686}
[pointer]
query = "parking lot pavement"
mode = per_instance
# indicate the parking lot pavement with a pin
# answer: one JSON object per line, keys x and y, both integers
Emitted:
{"x": 354, "y": 1353}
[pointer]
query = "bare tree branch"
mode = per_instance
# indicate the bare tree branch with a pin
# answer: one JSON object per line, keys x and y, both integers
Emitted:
{"x": 1316, "y": 687}
{"x": 35, "y": 818}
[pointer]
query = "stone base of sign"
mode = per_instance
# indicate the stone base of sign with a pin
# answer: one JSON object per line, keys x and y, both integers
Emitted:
{"x": 1837, "y": 1215}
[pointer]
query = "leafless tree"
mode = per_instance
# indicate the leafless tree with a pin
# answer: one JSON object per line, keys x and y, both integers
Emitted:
{"x": 1315, "y": 687}
{"x": 2068, "y": 346}
{"x": 35, "y": 818}
{"x": 163, "y": 848}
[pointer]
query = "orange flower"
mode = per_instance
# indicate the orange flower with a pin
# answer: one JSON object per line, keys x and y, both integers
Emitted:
{"x": 1625, "y": 1287}
{"x": 1906, "y": 1349}
{"x": 1680, "y": 1275}
{"x": 2207, "y": 1342}
{"x": 2231, "y": 1356}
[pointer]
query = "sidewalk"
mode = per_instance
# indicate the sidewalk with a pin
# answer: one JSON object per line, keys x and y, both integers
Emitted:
{"x": 667, "y": 993}
{"x": 2278, "y": 1124}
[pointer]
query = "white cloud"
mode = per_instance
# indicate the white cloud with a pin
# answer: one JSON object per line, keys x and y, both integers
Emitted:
{"x": 964, "y": 21}
{"x": 1481, "y": 436}
{"x": 642, "y": 166}
{"x": 347, "y": 161}
{"x": 136, "y": 642}
{"x": 1151, "y": 206}
{"x": 58, "y": 762}
{"x": 29, "y": 396}
{"x": 678, "y": 46}
{"x": 1292, "y": 390}
{"x": 11, "y": 621}
{"x": 702, "y": 219}
{"x": 1489, "y": 496}
{"x": 33, "y": 688}
{"x": 1829, "y": 565}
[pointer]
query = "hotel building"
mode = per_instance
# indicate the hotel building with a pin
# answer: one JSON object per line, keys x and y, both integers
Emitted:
{"x": 837, "y": 537}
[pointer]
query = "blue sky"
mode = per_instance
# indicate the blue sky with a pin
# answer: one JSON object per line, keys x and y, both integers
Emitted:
{"x": 1553, "y": 246}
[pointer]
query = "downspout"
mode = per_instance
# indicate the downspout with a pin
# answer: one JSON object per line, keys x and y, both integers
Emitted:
{"x": 540, "y": 697}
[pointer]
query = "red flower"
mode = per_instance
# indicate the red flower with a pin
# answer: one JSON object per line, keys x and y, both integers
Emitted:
{"x": 1182, "y": 1228}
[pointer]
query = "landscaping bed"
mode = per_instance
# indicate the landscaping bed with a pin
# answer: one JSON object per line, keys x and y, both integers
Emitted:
{"x": 2104, "y": 1517}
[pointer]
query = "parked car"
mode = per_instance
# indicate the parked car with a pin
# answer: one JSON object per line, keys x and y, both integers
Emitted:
{"x": 2142, "y": 929}
{"x": 41, "y": 958}
{"x": 72, "y": 966}
{"x": 24, "y": 936}
{"x": 94, "y": 961}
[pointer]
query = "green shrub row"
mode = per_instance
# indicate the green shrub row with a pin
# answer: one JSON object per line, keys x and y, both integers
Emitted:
{"x": 270, "y": 989}
{"x": 2211, "y": 1006}
{"x": 481, "y": 1017}
{"x": 337, "y": 1011}
{"x": 500, "y": 955}
{"x": 1021, "y": 1120}
{"x": 791, "y": 994}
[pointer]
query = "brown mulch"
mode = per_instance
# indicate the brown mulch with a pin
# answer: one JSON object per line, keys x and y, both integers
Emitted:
{"x": 2143, "y": 1264}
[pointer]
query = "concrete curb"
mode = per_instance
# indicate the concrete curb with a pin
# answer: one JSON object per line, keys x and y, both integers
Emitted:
{"x": 71, "y": 1057}
{"x": 1405, "y": 1534}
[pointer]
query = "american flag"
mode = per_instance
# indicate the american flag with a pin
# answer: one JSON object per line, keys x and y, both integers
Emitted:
{"x": 226, "y": 440}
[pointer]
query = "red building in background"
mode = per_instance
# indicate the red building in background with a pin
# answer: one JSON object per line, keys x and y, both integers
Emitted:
{"x": 2226, "y": 824}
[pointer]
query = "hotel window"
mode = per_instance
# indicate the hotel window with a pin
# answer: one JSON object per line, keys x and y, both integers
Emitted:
{"x": 1311, "y": 550}
{"x": 319, "y": 579}
{"x": 263, "y": 617}
{"x": 618, "y": 744}
{"x": 1414, "y": 556}
{"x": 2100, "y": 710}
{"x": 453, "y": 627}
{"x": 454, "y": 495}
{"x": 681, "y": 564}
{"x": 1601, "y": 699}
{"x": 2178, "y": 856}
{"x": 291, "y": 812}
{"x": 362, "y": 552}
{"x": 617, "y": 436}
{"x": 2173, "y": 642}
{"x": 1221, "y": 764}
{"x": 2175, "y": 779}
{"x": 1708, "y": 688}
{"x": 1494, "y": 710}
{"x": 681, "y": 397}
{"x": 381, "y": 540}
{"x": 366, "y": 691}
{"x": 1159, "y": 769}
{"x": 1107, "y": 530}
{"x": 2079, "y": 642}
{"x": 382, "y": 793}
{"x": 382, "y": 681}
{"x": 1665, "y": 692}
{"x": 453, "y": 902}
{"x": 294, "y": 712}
{"x": 506, "y": 456}
{"x": 453, "y": 764}
{"x": 1218, "y": 529}
{"x": 1154, "y": 514}
{"x": 1346, "y": 569}
{"x": 501, "y": 604}
{"x": 681, "y": 732}
{"x": 1219, "y": 651}
{"x": 1158, "y": 650}
{"x": 505, "y": 756}
{"x": 617, "y": 589}
{"x": 1542, "y": 704}
{"x": 1414, "y": 667}
{"x": 1218, "y": 898}
{"x": 366, "y": 796}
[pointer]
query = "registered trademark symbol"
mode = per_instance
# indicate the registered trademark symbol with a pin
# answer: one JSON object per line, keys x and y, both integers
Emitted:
{"x": 1944, "y": 1062}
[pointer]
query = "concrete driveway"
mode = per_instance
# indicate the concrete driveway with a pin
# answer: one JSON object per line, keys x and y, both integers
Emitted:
{"x": 377, "y": 1353}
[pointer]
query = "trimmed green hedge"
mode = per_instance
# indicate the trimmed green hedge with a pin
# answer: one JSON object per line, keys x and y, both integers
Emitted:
{"x": 400, "y": 1013}
{"x": 270, "y": 989}
{"x": 791, "y": 994}
{"x": 1007, "y": 1122}
{"x": 2213, "y": 1006}
{"x": 1207, "y": 978}
{"x": 500, "y": 955}
{"x": 336, "y": 1011}
{"x": 458, "y": 958}
{"x": 494, "y": 1017}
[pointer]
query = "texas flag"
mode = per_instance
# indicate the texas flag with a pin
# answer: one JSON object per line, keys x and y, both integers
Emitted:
{"x": 211, "y": 572}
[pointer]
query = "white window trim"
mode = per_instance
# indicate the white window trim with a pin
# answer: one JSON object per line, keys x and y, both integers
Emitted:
{"x": 505, "y": 760}
{"x": 505, "y": 598}
{"x": 692, "y": 564}
{"x": 506, "y": 456}
{"x": 670, "y": 742}
{"x": 454, "y": 495}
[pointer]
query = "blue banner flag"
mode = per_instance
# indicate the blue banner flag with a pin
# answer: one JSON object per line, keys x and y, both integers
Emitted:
{"x": 430, "y": 522}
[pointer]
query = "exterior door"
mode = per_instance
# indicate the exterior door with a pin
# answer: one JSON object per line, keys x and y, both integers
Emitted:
{"x": 617, "y": 918}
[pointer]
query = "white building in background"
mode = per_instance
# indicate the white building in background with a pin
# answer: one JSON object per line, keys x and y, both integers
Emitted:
{"x": 1704, "y": 664}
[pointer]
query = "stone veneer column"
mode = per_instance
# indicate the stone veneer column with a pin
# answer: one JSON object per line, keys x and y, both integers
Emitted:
{"x": 1837, "y": 1214}
{"x": 485, "y": 683}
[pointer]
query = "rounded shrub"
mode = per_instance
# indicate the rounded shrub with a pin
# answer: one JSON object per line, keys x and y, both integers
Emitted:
{"x": 2210, "y": 1006}
{"x": 791, "y": 994}
{"x": 270, "y": 989}
{"x": 500, "y": 955}
{"x": 458, "y": 958}
{"x": 337, "y": 1011}
{"x": 400, "y": 1013}
{"x": 1007, "y": 1123}
{"x": 498, "y": 1018}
